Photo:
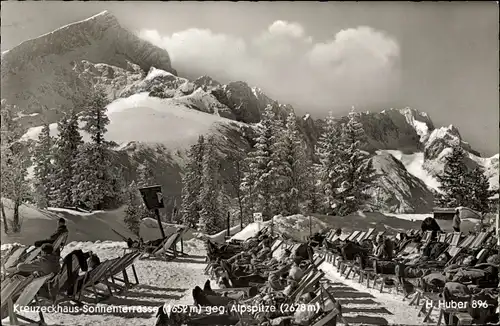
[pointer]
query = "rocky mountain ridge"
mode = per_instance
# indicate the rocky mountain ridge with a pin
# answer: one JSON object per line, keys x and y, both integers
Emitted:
{"x": 99, "y": 51}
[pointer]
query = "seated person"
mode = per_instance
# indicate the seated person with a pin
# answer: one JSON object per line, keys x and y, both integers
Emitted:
{"x": 291, "y": 285}
{"x": 61, "y": 229}
{"x": 296, "y": 273}
{"x": 381, "y": 256}
{"x": 46, "y": 263}
{"x": 92, "y": 262}
{"x": 285, "y": 256}
{"x": 430, "y": 224}
{"x": 264, "y": 253}
{"x": 419, "y": 267}
{"x": 486, "y": 272}
{"x": 466, "y": 273}
{"x": 351, "y": 250}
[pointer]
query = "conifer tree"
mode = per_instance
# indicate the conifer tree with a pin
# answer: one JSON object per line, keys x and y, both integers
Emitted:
{"x": 93, "y": 185}
{"x": 145, "y": 178}
{"x": 14, "y": 162}
{"x": 264, "y": 167}
{"x": 247, "y": 189}
{"x": 356, "y": 169}
{"x": 211, "y": 197}
{"x": 66, "y": 155}
{"x": 453, "y": 180}
{"x": 478, "y": 192}
{"x": 292, "y": 165}
{"x": 132, "y": 217}
{"x": 43, "y": 167}
{"x": 191, "y": 184}
{"x": 145, "y": 175}
{"x": 329, "y": 153}
{"x": 312, "y": 193}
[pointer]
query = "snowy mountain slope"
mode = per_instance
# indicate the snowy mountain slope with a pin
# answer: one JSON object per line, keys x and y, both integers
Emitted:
{"x": 141, "y": 118}
{"x": 399, "y": 191}
{"x": 413, "y": 163}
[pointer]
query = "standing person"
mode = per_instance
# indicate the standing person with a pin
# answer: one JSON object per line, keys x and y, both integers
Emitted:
{"x": 456, "y": 221}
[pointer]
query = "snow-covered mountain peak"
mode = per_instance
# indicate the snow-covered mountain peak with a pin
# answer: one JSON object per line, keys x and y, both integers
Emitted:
{"x": 39, "y": 72}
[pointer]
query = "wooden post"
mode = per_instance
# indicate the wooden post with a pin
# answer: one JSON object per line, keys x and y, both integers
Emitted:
{"x": 272, "y": 226}
{"x": 160, "y": 225}
{"x": 310, "y": 226}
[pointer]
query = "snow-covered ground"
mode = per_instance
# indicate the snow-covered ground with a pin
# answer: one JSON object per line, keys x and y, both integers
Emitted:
{"x": 367, "y": 306}
{"x": 171, "y": 283}
{"x": 160, "y": 283}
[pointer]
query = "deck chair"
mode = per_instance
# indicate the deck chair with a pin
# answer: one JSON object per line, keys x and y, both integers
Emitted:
{"x": 442, "y": 238}
{"x": 11, "y": 288}
{"x": 368, "y": 234}
{"x": 327, "y": 303}
{"x": 353, "y": 236}
{"x": 13, "y": 258}
{"x": 162, "y": 251}
{"x": 435, "y": 297}
{"x": 333, "y": 236}
{"x": 57, "y": 244}
{"x": 479, "y": 240}
{"x": 276, "y": 244}
{"x": 343, "y": 266}
{"x": 468, "y": 241}
{"x": 310, "y": 279}
{"x": 99, "y": 274}
{"x": 57, "y": 282}
{"x": 29, "y": 294}
{"x": 360, "y": 237}
{"x": 120, "y": 267}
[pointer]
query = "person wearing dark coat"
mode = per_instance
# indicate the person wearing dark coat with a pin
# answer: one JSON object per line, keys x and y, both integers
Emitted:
{"x": 45, "y": 264}
{"x": 430, "y": 224}
{"x": 61, "y": 229}
{"x": 456, "y": 221}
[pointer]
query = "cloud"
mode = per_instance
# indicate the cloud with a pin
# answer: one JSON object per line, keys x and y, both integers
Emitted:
{"x": 358, "y": 66}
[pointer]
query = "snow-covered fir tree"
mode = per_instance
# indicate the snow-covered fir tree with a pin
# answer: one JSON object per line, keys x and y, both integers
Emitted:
{"x": 356, "y": 170}
{"x": 234, "y": 156}
{"x": 478, "y": 193}
{"x": 264, "y": 167}
{"x": 212, "y": 218}
{"x": 329, "y": 153}
{"x": 14, "y": 160}
{"x": 43, "y": 167}
{"x": 66, "y": 155}
{"x": 145, "y": 178}
{"x": 291, "y": 168}
{"x": 312, "y": 186}
{"x": 145, "y": 175}
{"x": 191, "y": 184}
{"x": 93, "y": 183}
{"x": 453, "y": 180}
{"x": 247, "y": 189}
{"x": 132, "y": 217}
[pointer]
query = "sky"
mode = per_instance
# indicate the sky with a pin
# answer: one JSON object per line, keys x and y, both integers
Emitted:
{"x": 440, "y": 58}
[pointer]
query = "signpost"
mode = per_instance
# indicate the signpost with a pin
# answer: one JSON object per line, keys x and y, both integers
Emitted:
{"x": 257, "y": 218}
{"x": 153, "y": 199}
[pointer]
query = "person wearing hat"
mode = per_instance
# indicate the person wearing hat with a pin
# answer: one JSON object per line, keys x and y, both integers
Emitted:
{"x": 46, "y": 263}
{"x": 61, "y": 229}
